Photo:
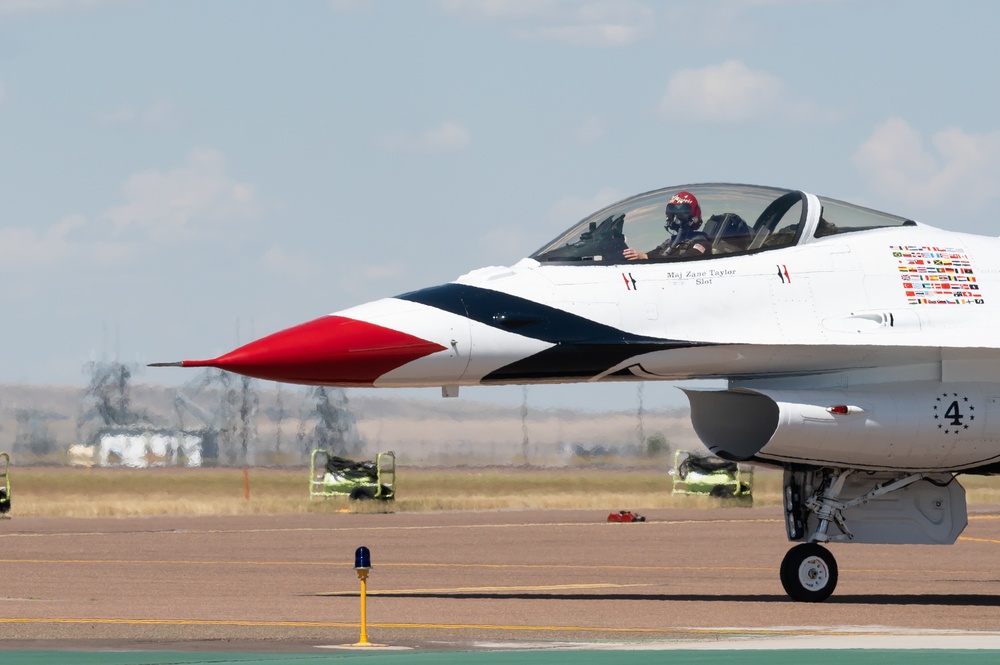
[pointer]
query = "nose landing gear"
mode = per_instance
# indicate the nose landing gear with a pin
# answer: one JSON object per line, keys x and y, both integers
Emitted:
{"x": 925, "y": 509}
{"x": 809, "y": 573}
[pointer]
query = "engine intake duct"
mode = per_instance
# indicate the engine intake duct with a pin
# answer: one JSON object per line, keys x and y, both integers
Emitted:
{"x": 733, "y": 424}
{"x": 918, "y": 426}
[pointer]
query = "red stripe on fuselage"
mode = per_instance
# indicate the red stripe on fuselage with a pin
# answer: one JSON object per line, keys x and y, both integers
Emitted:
{"x": 331, "y": 350}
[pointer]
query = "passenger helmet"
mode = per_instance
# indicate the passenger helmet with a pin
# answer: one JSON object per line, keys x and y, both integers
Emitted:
{"x": 684, "y": 203}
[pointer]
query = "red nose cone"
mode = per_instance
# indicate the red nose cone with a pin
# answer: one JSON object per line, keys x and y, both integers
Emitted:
{"x": 332, "y": 350}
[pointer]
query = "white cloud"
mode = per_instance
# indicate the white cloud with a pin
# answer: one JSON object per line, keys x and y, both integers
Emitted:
{"x": 957, "y": 169}
{"x": 727, "y": 93}
{"x": 603, "y": 34}
{"x": 728, "y": 23}
{"x": 574, "y": 22}
{"x": 447, "y": 137}
{"x": 24, "y": 247}
{"x": 178, "y": 203}
{"x": 161, "y": 115}
{"x": 69, "y": 244}
{"x": 732, "y": 93}
{"x": 159, "y": 206}
{"x": 504, "y": 10}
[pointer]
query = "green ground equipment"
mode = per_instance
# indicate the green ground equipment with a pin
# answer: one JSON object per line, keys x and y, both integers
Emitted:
{"x": 330, "y": 475}
{"x": 710, "y": 476}
{"x": 4, "y": 484}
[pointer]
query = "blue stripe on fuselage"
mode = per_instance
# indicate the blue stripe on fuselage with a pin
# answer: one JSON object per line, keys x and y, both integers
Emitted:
{"x": 583, "y": 348}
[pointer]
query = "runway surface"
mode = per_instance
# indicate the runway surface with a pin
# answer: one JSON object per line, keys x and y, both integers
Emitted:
{"x": 688, "y": 579}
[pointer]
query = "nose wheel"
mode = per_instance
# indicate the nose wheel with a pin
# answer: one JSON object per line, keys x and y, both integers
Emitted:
{"x": 809, "y": 573}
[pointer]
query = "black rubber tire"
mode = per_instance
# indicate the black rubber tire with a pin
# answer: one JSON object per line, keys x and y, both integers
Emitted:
{"x": 809, "y": 573}
{"x": 722, "y": 492}
{"x": 362, "y": 494}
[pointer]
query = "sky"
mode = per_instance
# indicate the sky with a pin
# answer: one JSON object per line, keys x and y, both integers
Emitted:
{"x": 178, "y": 177}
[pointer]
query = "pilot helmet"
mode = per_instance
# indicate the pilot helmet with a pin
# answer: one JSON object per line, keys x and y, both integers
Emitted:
{"x": 684, "y": 203}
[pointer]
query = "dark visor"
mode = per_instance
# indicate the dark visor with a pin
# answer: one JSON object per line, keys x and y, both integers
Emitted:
{"x": 678, "y": 208}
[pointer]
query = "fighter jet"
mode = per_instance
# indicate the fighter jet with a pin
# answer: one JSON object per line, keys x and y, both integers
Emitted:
{"x": 859, "y": 347}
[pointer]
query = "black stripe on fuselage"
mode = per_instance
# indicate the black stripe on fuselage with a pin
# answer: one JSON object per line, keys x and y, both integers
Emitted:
{"x": 583, "y": 348}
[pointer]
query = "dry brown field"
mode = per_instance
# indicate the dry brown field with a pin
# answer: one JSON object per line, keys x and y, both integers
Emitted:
{"x": 119, "y": 492}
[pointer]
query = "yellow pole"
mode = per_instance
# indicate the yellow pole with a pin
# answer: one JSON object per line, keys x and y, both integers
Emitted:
{"x": 363, "y": 576}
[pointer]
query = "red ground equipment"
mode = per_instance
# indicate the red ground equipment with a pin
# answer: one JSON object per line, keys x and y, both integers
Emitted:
{"x": 625, "y": 516}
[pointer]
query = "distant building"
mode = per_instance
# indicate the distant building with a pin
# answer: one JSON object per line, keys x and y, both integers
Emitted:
{"x": 142, "y": 447}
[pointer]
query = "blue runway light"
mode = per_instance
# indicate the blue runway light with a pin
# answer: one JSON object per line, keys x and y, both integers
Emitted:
{"x": 362, "y": 559}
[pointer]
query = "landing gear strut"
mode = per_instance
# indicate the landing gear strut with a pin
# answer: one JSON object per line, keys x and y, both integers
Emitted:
{"x": 809, "y": 573}
{"x": 820, "y": 502}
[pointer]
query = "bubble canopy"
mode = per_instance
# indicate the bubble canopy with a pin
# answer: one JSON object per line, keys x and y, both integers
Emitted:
{"x": 735, "y": 219}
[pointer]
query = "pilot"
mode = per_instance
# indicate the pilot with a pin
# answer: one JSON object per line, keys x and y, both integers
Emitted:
{"x": 683, "y": 222}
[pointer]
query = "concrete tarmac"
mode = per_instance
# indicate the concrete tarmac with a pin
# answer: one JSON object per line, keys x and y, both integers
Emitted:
{"x": 688, "y": 579}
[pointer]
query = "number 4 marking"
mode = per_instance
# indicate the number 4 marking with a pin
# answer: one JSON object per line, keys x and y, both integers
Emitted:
{"x": 954, "y": 413}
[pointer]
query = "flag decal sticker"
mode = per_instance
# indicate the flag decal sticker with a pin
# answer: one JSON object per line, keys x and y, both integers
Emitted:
{"x": 937, "y": 275}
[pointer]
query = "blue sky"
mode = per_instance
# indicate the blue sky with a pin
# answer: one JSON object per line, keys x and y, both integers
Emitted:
{"x": 180, "y": 177}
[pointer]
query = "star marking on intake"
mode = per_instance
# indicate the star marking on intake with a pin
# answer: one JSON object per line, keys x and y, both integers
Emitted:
{"x": 957, "y": 414}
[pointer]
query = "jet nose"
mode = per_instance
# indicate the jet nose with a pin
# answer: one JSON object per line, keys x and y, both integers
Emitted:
{"x": 331, "y": 350}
